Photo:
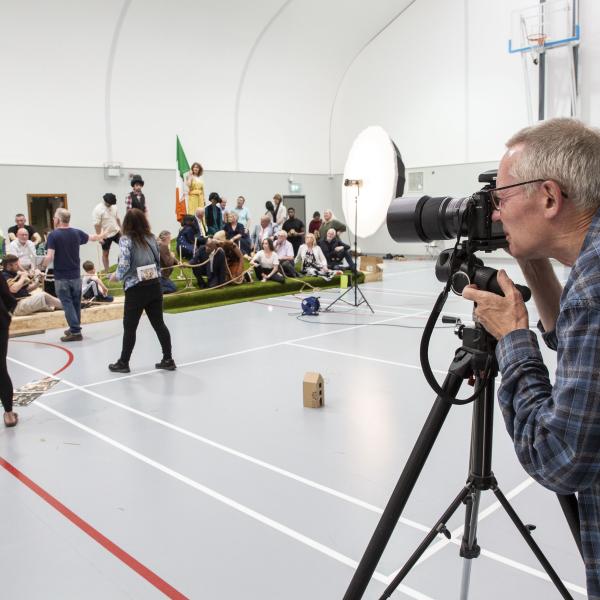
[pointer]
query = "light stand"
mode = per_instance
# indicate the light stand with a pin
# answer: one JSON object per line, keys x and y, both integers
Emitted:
{"x": 476, "y": 355}
{"x": 354, "y": 287}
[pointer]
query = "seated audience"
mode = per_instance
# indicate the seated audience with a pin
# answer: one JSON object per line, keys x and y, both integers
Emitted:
{"x": 187, "y": 237}
{"x": 235, "y": 232}
{"x": 286, "y": 254}
{"x": 266, "y": 263}
{"x": 213, "y": 215}
{"x": 242, "y": 213}
{"x": 335, "y": 250}
{"x": 295, "y": 230}
{"x": 330, "y": 221}
{"x": 92, "y": 287}
{"x": 20, "y": 223}
{"x": 315, "y": 224}
{"x": 312, "y": 259}
{"x": 20, "y": 285}
{"x": 167, "y": 261}
{"x": 23, "y": 248}
{"x": 261, "y": 232}
{"x": 218, "y": 260}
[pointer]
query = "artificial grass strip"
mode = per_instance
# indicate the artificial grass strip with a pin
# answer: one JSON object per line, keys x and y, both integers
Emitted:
{"x": 232, "y": 293}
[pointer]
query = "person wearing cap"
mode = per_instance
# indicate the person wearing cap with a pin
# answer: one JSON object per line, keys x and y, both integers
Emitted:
{"x": 106, "y": 221}
{"x": 135, "y": 199}
{"x": 213, "y": 214}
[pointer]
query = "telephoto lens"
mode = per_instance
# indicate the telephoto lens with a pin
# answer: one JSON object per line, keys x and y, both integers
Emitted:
{"x": 426, "y": 219}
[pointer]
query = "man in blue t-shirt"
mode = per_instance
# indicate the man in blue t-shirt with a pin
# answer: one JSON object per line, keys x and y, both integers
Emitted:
{"x": 63, "y": 248}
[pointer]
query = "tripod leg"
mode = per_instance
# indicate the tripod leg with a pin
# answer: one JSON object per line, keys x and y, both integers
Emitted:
{"x": 469, "y": 548}
{"x": 439, "y": 527}
{"x": 524, "y": 531}
{"x": 404, "y": 487}
{"x": 570, "y": 508}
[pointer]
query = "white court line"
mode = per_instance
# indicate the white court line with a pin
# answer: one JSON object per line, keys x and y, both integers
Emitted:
{"x": 398, "y": 273}
{"x": 237, "y": 353}
{"x": 363, "y": 357}
{"x": 253, "y": 514}
{"x": 246, "y": 457}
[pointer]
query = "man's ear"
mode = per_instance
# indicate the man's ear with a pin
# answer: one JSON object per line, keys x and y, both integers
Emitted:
{"x": 554, "y": 199}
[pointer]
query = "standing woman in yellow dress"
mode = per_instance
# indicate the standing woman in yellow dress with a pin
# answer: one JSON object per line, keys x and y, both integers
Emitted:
{"x": 195, "y": 185}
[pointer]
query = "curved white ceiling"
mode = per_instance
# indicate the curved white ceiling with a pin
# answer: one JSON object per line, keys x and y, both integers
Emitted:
{"x": 246, "y": 86}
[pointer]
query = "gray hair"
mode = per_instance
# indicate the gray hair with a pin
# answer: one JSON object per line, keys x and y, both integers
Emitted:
{"x": 566, "y": 151}
{"x": 63, "y": 215}
{"x": 163, "y": 235}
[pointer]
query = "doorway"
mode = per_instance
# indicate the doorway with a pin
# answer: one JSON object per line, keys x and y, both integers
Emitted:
{"x": 41, "y": 208}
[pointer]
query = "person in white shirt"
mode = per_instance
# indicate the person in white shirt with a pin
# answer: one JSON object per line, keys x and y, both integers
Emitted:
{"x": 266, "y": 263}
{"x": 23, "y": 248}
{"x": 199, "y": 214}
{"x": 106, "y": 221}
{"x": 280, "y": 211}
{"x": 285, "y": 252}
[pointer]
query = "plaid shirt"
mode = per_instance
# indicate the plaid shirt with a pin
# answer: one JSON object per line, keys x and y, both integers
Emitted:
{"x": 556, "y": 429}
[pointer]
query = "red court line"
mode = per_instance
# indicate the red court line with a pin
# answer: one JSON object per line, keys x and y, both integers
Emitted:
{"x": 115, "y": 550}
{"x": 69, "y": 353}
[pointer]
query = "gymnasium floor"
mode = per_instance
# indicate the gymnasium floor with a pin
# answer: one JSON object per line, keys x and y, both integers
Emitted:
{"x": 213, "y": 482}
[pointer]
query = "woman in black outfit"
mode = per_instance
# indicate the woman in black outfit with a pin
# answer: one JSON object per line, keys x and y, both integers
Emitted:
{"x": 7, "y": 305}
{"x": 139, "y": 269}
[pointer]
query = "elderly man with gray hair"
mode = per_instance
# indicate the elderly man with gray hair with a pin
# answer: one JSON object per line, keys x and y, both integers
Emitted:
{"x": 63, "y": 249}
{"x": 285, "y": 252}
{"x": 548, "y": 200}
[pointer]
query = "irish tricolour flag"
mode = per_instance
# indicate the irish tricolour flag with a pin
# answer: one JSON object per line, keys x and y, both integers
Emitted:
{"x": 181, "y": 171}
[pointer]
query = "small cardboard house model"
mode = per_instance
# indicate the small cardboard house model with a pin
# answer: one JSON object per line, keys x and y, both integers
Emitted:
{"x": 313, "y": 390}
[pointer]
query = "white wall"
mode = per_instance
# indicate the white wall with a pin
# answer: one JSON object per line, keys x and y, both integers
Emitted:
{"x": 441, "y": 81}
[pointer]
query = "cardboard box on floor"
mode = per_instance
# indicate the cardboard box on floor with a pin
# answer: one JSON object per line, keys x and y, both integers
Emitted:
{"x": 371, "y": 267}
{"x": 313, "y": 390}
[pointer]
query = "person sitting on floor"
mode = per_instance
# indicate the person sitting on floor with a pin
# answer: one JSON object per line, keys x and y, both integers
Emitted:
{"x": 167, "y": 262}
{"x": 335, "y": 251}
{"x": 20, "y": 285}
{"x": 235, "y": 232}
{"x": 92, "y": 287}
{"x": 187, "y": 237}
{"x": 312, "y": 259}
{"x": 285, "y": 252}
{"x": 266, "y": 263}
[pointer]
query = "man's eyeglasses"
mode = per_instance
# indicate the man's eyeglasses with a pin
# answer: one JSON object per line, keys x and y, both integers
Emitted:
{"x": 497, "y": 201}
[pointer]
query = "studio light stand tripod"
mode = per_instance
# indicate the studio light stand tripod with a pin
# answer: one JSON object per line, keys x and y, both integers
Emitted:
{"x": 474, "y": 360}
{"x": 354, "y": 287}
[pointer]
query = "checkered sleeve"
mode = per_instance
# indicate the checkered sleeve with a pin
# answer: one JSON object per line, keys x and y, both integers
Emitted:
{"x": 555, "y": 429}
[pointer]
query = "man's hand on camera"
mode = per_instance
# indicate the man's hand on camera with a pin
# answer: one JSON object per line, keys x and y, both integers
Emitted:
{"x": 499, "y": 314}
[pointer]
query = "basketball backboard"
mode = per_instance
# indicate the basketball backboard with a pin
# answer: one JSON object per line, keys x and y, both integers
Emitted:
{"x": 544, "y": 26}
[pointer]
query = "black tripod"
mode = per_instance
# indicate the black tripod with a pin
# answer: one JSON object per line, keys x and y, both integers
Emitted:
{"x": 354, "y": 287}
{"x": 471, "y": 360}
